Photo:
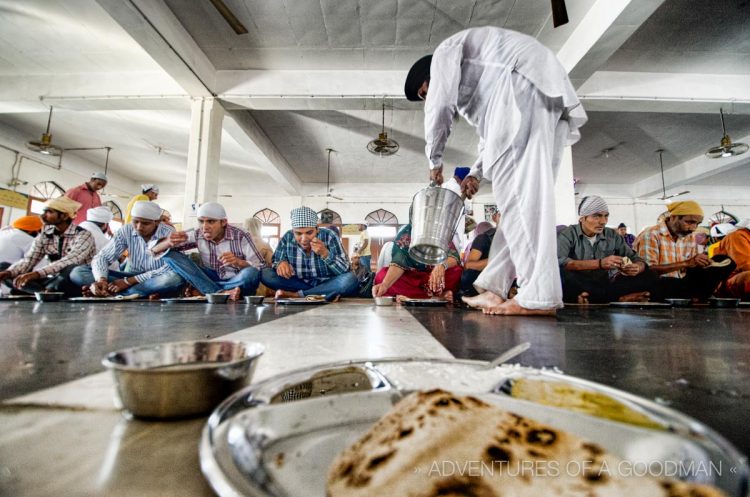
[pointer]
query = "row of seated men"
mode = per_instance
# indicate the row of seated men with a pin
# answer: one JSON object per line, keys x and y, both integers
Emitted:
{"x": 596, "y": 264}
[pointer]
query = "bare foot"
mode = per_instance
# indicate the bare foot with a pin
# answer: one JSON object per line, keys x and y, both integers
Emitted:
{"x": 191, "y": 291}
{"x": 86, "y": 291}
{"x": 583, "y": 298}
{"x": 483, "y": 300}
{"x": 513, "y": 308}
{"x": 284, "y": 294}
{"x": 234, "y": 294}
{"x": 448, "y": 295}
{"x": 154, "y": 296}
{"x": 635, "y": 297}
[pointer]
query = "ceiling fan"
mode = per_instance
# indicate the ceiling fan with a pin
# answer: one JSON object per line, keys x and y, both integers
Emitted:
{"x": 382, "y": 145}
{"x": 44, "y": 145}
{"x": 229, "y": 16}
{"x": 608, "y": 150}
{"x": 329, "y": 190}
{"x": 663, "y": 187}
{"x": 727, "y": 148}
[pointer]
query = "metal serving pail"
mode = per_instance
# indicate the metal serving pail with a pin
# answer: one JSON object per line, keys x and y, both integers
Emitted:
{"x": 435, "y": 214}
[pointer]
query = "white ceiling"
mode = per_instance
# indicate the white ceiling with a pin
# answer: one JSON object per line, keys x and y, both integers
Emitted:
{"x": 109, "y": 68}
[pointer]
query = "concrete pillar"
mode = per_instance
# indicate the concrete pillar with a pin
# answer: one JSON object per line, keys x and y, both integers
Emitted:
{"x": 565, "y": 200}
{"x": 202, "y": 178}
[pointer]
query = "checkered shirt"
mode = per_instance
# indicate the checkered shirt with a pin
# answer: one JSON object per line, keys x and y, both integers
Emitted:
{"x": 77, "y": 248}
{"x": 657, "y": 247}
{"x": 311, "y": 266}
{"x": 235, "y": 240}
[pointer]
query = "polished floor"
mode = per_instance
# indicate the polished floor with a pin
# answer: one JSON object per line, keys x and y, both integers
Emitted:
{"x": 696, "y": 360}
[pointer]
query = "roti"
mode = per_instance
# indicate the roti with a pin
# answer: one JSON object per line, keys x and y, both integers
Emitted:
{"x": 439, "y": 444}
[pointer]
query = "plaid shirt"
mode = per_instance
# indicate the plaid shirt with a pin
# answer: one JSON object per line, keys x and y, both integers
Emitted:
{"x": 312, "y": 266}
{"x": 77, "y": 248}
{"x": 658, "y": 247}
{"x": 235, "y": 240}
{"x": 140, "y": 257}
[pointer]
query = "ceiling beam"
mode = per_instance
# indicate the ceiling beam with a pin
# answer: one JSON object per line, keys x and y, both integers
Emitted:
{"x": 604, "y": 28}
{"x": 248, "y": 134}
{"x": 691, "y": 171}
{"x": 155, "y": 28}
{"x": 666, "y": 92}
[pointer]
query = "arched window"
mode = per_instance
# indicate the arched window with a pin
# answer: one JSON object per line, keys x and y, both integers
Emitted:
{"x": 271, "y": 228}
{"x": 41, "y": 192}
{"x": 327, "y": 216}
{"x": 381, "y": 217}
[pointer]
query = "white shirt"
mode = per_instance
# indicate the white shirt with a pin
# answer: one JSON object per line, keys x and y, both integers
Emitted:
{"x": 459, "y": 236}
{"x": 100, "y": 240}
{"x": 470, "y": 75}
{"x": 14, "y": 243}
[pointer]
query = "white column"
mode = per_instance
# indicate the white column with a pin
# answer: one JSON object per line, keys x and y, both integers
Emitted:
{"x": 202, "y": 178}
{"x": 565, "y": 201}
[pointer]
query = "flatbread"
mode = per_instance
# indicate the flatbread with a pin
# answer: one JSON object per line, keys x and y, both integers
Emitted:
{"x": 439, "y": 444}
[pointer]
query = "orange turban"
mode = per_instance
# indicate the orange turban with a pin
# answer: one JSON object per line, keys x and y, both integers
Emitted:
{"x": 685, "y": 208}
{"x": 28, "y": 223}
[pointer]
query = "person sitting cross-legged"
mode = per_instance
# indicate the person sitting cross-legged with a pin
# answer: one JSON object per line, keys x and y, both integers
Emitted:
{"x": 148, "y": 276}
{"x": 409, "y": 278}
{"x": 596, "y": 264}
{"x": 309, "y": 261}
{"x": 230, "y": 261}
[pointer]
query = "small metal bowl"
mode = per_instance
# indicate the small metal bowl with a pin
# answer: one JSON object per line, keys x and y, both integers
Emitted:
{"x": 49, "y": 296}
{"x": 217, "y": 298}
{"x": 181, "y": 379}
{"x": 679, "y": 302}
{"x": 717, "y": 302}
{"x": 254, "y": 299}
{"x": 384, "y": 300}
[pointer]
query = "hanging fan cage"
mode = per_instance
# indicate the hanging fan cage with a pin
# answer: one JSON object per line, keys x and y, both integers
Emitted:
{"x": 382, "y": 145}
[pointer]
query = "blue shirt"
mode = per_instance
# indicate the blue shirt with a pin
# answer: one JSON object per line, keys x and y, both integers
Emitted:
{"x": 311, "y": 266}
{"x": 140, "y": 258}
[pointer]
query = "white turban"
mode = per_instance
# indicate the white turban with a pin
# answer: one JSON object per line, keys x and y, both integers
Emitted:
{"x": 149, "y": 187}
{"x": 591, "y": 205}
{"x": 212, "y": 210}
{"x": 99, "y": 215}
{"x": 146, "y": 210}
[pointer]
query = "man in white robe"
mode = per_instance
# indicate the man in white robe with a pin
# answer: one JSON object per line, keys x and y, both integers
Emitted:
{"x": 518, "y": 96}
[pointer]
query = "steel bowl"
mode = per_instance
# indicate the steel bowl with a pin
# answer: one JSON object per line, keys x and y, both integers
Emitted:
{"x": 181, "y": 379}
{"x": 217, "y": 298}
{"x": 384, "y": 300}
{"x": 717, "y": 302}
{"x": 679, "y": 302}
{"x": 49, "y": 296}
{"x": 254, "y": 299}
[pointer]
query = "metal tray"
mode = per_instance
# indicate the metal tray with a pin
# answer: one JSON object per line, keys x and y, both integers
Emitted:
{"x": 641, "y": 305}
{"x": 17, "y": 297}
{"x": 300, "y": 301}
{"x": 182, "y": 300}
{"x": 103, "y": 300}
{"x": 426, "y": 302}
{"x": 278, "y": 437}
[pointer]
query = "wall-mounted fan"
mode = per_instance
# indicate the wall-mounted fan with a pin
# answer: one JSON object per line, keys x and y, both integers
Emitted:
{"x": 382, "y": 145}
{"x": 44, "y": 145}
{"x": 664, "y": 195}
{"x": 727, "y": 148}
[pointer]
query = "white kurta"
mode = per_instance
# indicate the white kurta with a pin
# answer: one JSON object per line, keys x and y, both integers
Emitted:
{"x": 517, "y": 95}
{"x": 459, "y": 237}
{"x": 100, "y": 239}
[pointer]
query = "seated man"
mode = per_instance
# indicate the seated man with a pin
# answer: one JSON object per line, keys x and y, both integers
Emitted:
{"x": 16, "y": 239}
{"x": 670, "y": 250}
{"x": 309, "y": 261}
{"x": 407, "y": 277}
{"x": 629, "y": 238}
{"x": 65, "y": 245}
{"x": 364, "y": 277}
{"x": 97, "y": 223}
{"x": 148, "y": 276}
{"x": 596, "y": 264}
{"x": 476, "y": 257}
{"x": 230, "y": 261}
{"x": 736, "y": 245}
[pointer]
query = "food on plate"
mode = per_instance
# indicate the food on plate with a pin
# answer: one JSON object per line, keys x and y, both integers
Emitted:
{"x": 626, "y": 261}
{"x": 439, "y": 444}
{"x": 566, "y": 396}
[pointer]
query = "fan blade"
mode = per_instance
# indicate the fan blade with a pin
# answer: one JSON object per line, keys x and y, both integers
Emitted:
{"x": 229, "y": 16}
{"x": 559, "y": 13}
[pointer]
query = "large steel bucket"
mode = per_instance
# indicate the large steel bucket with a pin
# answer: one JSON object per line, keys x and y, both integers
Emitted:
{"x": 435, "y": 214}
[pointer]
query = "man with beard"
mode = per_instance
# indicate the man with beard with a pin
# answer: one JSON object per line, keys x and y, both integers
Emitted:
{"x": 87, "y": 195}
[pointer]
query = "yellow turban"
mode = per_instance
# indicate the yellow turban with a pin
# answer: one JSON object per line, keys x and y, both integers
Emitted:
{"x": 685, "y": 208}
{"x": 28, "y": 223}
{"x": 63, "y": 204}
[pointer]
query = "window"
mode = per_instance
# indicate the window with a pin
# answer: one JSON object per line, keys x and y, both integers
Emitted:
{"x": 381, "y": 216}
{"x": 270, "y": 230}
{"x": 117, "y": 217}
{"x": 382, "y": 226}
{"x": 40, "y": 193}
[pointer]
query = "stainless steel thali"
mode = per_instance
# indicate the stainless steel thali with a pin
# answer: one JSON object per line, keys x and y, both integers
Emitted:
{"x": 278, "y": 437}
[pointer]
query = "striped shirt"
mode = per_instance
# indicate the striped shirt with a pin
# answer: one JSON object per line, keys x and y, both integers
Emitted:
{"x": 658, "y": 247}
{"x": 74, "y": 247}
{"x": 235, "y": 240}
{"x": 312, "y": 266}
{"x": 139, "y": 255}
